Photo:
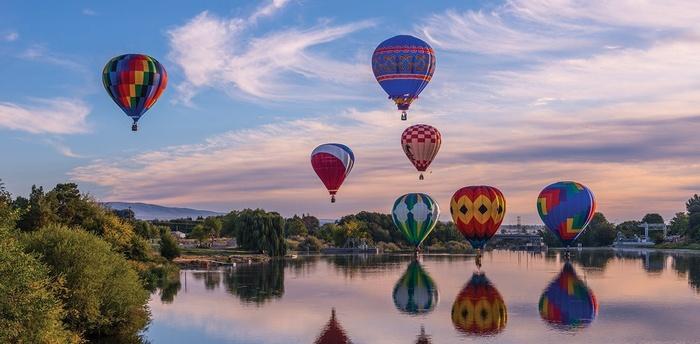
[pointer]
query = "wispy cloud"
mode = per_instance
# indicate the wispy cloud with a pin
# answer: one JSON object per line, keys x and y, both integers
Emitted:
{"x": 54, "y": 116}
{"x": 10, "y": 36}
{"x": 41, "y": 53}
{"x": 268, "y": 10}
{"x": 220, "y": 53}
{"x": 88, "y": 12}
{"x": 62, "y": 148}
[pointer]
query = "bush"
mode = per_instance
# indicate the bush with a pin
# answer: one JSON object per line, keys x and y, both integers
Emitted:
{"x": 103, "y": 296}
{"x": 388, "y": 247}
{"x": 311, "y": 244}
{"x": 31, "y": 313}
{"x": 169, "y": 248}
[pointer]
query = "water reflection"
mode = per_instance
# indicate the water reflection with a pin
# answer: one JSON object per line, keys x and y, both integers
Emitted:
{"x": 332, "y": 333}
{"x": 568, "y": 303}
{"x": 422, "y": 337}
{"x": 169, "y": 290}
{"x": 256, "y": 283}
{"x": 593, "y": 260}
{"x": 688, "y": 266}
{"x": 479, "y": 308}
{"x": 211, "y": 278}
{"x": 415, "y": 292}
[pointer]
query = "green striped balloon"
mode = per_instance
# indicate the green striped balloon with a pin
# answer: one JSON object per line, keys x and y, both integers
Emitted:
{"x": 415, "y": 215}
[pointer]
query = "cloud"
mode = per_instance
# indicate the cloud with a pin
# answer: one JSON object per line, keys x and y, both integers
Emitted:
{"x": 88, "y": 12}
{"x": 268, "y": 10}
{"x": 220, "y": 53}
{"x": 53, "y": 116}
{"x": 62, "y": 148}
{"x": 41, "y": 53}
{"x": 10, "y": 36}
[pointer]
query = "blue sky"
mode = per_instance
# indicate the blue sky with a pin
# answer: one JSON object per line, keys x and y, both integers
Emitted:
{"x": 526, "y": 93}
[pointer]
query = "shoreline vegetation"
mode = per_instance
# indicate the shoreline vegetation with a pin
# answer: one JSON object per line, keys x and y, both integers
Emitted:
{"x": 74, "y": 271}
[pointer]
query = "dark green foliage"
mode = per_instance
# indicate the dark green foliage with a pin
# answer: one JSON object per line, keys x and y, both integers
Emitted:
{"x": 8, "y": 213}
{"x": 228, "y": 227}
{"x": 653, "y": 218}
{"x": 212, "y": 226}
{"x": 310, "y": 244}
{"x": 600, "y": 232}
{"x": 629, "y": 228}
{"x": 678, "y": 224}
{"x": 169, "y": 249}
{"x": 311, "y": 222}
{"x": 693, "y": 207}
{"x": 295, "y": 226}
{"x": 103, "y": 296}
{"x": 199, "y": 233}
{"x": 256, "y": 283}
{"x": 261, "y": 231}
{"x": 125, "y": 214}
{"x": 29, "y": 310}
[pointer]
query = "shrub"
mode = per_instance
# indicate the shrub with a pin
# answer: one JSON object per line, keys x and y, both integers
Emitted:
{"x": 311, "y": 244}
{"x": 31, "y": 313}
{"x": 169, "y": 248}
{"x": 103, "y": 296}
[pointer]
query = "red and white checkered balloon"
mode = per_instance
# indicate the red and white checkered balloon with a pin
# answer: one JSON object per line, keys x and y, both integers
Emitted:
{"x": 421, "y": 143}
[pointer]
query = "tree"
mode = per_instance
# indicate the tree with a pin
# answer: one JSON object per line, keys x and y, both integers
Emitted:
{"x": 31, "y": 313}
{"x": 693, "y": 207}
{"x": 37, "y": 213}
{"x": 228, "y": 227}
{"x": 295, "y": 226}
{"x": 600, "y": 232}
{"x": 8, "y": 213}
{"x": 169, "y": 247}
{"x": 261, "y": 231}
{"x": 678, "y": 224}
{"x": 212, "y": 225}
{"x": 311, "y": 223}
{"x": 102, "y": 294}
{"x": 629, "y": 228}
{"x": 652, "y": 218}
{"x": 199, "y": 233}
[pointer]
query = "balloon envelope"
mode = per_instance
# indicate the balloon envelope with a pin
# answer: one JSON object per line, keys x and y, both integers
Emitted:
{"x": 568, "y": 303}
{"x": 332, "y": 162}
{"x": 477, "y": 212}
{"x": 403, "y": 66}
{"x": 415, "y": 215}
{"x": 421, "y": 143}
{"x": 415, "y": 292}
{"x": 135, "y": 82}
{"x": 479, "y": 308}
{"x": 566, "y": 208}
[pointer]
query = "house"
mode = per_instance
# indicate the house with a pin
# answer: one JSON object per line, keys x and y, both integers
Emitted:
{"x": 178, "y": 234}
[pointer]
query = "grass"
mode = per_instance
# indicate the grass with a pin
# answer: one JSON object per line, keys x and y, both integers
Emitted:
{"x": 679, "y": 245}
{"x": 214, "y": 252}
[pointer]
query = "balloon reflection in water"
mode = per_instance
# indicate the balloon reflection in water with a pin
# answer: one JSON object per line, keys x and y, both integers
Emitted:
{"x": 415, "y": 292}
{"x": 479, "y": 308}
{"x": 422, "y": 337}
{"x": 333, "y": 333}
{"x": 568, "y": 303}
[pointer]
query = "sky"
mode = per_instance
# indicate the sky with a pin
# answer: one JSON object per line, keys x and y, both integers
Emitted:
{"x": 525, "y": 93}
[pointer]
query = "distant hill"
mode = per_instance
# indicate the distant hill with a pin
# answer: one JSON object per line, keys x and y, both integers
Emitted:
{"x": 144, "y": 211}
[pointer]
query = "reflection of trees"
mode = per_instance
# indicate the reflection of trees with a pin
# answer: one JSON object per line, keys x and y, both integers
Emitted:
{"x": 256, "y": 283}
{"x": 597, "y": 259}
{"x": 169, "y": 290}
{"x": 352, "y": 265}
{"x": 688, "y": 266}
{"x": 654, "y": 262}
{"x": 212, "y": 278}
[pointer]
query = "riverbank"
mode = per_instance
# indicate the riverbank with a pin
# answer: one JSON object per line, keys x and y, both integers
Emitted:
{"x": 204, "y": 257}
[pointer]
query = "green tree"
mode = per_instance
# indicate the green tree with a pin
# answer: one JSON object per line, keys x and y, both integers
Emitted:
{"x": 311, "y": 223}
{"x": 169, "y": 247}
{"x": 213, "y": 226}
{"x": 200, "y": 233}
{"x": 8, "y": 213}
{"x": 653, "y": 218}
{"x": 37, "y": 212}
{"x": 31, "y": 313}
{"x": 103, "y": 296}
{"x": 261, "y": 231}
{"x": 693, "y": 207}
{"x": 600, "y": 232}
{"x": 629, "y": 228}
{"x": 678, "y": 224}
{"x": 228, "y": 227}
{"x": 295, "y": 226}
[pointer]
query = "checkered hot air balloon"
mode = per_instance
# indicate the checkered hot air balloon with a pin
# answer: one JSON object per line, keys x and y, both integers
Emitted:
{"x": 479, "y": 309}
{"x": 416, "y": 292}
{"x": 567, "y": 303}
{"x": 403, "y": 66}
{"x": 134, "y": 82}
{"x": 332, "y": 162}
{"x": 421, "y": 143}
{"x": 477, "y": 212}
{"x": 415, "y": 215}
{"x": 566, "y": 208}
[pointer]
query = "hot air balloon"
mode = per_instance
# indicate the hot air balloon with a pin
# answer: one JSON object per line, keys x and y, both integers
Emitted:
{"x": 134, "y": 82}
{"x": 403, "y": 66}
{"x": 421, "y": 143}
{"x": 415, "y": 215}
{"x": 567, "y": 303}
{"x": 332, "y": 162}
{"x": 566, "y": 208}
{"x": 477, "y": 212}
{"x": 415, "y": 292}
{"x": 479, "y": 308}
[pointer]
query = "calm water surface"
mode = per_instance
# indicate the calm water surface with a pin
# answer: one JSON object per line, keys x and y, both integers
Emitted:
{"x": 603, "y": 296}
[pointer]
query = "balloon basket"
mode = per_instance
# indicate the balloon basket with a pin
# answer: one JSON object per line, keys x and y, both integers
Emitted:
{"x": 134, "y": 127}
{"x": 420, "y": 177}
{"x": 333, "y": 199}
{"x": 404, "y": 116}
{"x": 478, "y": 259}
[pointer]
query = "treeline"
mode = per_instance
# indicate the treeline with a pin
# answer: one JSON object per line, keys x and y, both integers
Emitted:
{"x": 72, "y": 271}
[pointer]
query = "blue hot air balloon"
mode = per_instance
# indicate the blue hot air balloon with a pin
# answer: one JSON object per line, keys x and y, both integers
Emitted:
{"x": 403, "y": 66}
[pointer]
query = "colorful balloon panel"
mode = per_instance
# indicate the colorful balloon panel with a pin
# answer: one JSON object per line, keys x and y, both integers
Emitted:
{"x": 415, "y": 292}
{"x": 135, "y": 82}
{"x": 332, "y": 162}
{"x": 566, "y": 208}
{"x": 478, "y": 212}
{"x": 421, "y": 143}
{"x": 333, "y": 333}
{"x": 415, "y": 215}
{"x": 403, "y": 66}
{"x": 568, "y": 303}
{"x": 479, "y": 308}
